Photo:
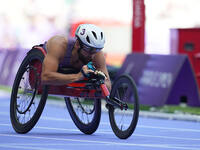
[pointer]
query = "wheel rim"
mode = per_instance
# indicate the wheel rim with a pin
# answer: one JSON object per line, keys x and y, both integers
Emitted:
{"x": 27, "y": 99}
{"x": 123, "y": 118}
{"x": 84, "y": 109}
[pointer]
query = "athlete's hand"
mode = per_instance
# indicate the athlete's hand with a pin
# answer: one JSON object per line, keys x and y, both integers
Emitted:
{"x": 100, "y": 73}
{"x": 85, "y": 71}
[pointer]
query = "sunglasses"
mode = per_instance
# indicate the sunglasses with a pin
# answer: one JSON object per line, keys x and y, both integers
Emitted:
{"x": 90, "y": 50}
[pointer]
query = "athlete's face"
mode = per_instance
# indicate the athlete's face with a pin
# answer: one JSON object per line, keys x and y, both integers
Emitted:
{"x": 87, "y": 53}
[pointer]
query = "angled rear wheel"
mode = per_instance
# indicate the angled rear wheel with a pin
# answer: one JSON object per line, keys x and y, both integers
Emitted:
{"x": 28, "y": 97}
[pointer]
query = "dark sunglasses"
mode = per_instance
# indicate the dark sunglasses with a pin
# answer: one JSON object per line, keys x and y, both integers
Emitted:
{"x": 90, "y": 50}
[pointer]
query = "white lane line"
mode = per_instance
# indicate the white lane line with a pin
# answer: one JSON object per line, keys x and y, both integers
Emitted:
{"x": 167, "y": 137}
{"x": 187, "y": 145}
{"x": 167, "y": 128}
{"x": 83, "y": 144}
{"x": 107, "y": 123}
{"x": 26, "y": 147}
{"x": 107, "y": 132}
{"x": 57, "y": 119}
{"x": 101, "y": 142}
{"x": 138, "y": 126}
{"x": 50, "y": 144}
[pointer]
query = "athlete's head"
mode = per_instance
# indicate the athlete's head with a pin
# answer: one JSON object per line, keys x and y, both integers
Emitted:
{"x": 91, "y": 38}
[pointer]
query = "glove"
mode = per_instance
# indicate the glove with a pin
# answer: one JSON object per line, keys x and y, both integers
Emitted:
{"x": 91, "y": 66}
{"x": 87, "y": 70}
{"x": 100, "y": 73}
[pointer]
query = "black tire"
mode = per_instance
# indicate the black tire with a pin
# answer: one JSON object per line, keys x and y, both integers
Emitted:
{"x": 84, "y": 108}
{"x": 25, "y": 99}
{"x": 124, "y": 87}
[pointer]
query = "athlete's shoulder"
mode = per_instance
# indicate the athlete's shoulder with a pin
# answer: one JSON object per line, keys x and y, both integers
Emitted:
{"x": 58, "y": 39}
{"x": 57, "y": 42}
{"x": 56, "y": 46}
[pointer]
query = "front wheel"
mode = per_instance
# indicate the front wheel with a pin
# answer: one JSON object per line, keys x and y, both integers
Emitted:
{"x": 85, "y": 113}
{"x": 123, "y": 121}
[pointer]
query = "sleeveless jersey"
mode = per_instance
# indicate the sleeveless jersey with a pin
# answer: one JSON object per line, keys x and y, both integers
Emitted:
{"x": 66, "y": 61}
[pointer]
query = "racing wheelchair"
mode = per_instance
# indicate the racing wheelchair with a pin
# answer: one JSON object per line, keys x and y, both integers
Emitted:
{"x": 82, "y": 98}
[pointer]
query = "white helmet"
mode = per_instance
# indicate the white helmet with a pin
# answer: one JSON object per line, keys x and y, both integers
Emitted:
{"x": 90, "y": 35}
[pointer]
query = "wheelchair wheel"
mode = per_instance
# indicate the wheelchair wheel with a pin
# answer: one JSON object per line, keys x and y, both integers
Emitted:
{"x": 85, "y": 113}
{"x": 28, "y": 98}
{"x": 123, "y": 122}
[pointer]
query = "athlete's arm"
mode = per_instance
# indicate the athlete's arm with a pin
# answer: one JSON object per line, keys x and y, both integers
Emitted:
{"x": 56, "y": 49}
{"x": 100, "y": 64}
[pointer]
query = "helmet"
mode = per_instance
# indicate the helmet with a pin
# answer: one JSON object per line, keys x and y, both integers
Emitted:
{"x": 90, "y": 35}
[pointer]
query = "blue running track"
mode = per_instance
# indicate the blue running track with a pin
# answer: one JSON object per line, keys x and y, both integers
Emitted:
{"x": 56, "y": 131}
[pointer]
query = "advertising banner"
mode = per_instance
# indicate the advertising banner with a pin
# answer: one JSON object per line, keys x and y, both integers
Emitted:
{"x": 9, "y": 64}
{"x": 162, "y": 79}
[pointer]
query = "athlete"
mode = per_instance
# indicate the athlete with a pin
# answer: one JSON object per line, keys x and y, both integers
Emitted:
{"x": 75, "y": 53}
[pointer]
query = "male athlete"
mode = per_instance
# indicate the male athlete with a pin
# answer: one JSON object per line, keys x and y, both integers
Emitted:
{"x": 75, "y": 53}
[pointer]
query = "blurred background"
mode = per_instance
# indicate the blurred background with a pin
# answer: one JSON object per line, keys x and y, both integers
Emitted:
{"x": 26, "y": 23}
{"x": 157, "y": 42}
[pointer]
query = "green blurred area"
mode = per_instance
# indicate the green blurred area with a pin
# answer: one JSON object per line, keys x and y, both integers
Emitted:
{"x": 177, "y": 109}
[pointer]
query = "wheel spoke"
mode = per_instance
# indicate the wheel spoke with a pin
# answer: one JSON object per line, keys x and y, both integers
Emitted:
{"x": 26, "y": 105}
{"x": 83, "y": 111}
{"x": 123, "y": 121}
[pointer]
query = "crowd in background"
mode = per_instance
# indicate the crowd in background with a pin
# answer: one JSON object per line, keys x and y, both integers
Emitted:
{"x": 29, "y": 22}
{"x": 25, "y": 23}
{"x": 37, "y": 29}
{"x": 29, "y": 25}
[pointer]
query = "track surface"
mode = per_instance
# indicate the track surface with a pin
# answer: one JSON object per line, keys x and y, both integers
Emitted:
{"x": 55, "y": 130}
